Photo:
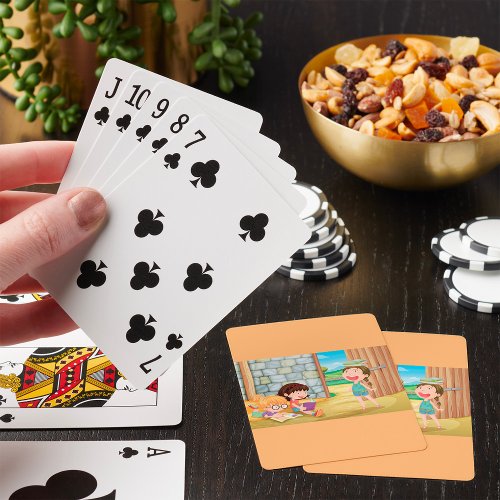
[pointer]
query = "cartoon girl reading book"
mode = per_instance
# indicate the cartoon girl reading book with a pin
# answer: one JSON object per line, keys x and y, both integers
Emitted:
{"x": 430, "y": 390}
{"x": 268, "y": 406}
{"x": 357, "y": 372}
{"x": 296, "y": 394}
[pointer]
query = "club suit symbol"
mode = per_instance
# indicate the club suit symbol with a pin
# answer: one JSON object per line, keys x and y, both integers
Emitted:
{"x": 197, "y": 277}
{"x": 148, "y": 223}
{"x": 205, "y": 173}
{"x": 144, "y": 276}
{"x": 174, "y": 341}
{"x": 67, "y": 485}
{"x": 140, "y": 328}
{"x": 254, "y": 226}
{"x": 128, "y": 452}
{"x": 142, "y": 132}
{"x": 123, "y": 122}
{"x": 7, "y": 418}
{"x": 158, "y": 144}
{"x": 102, "y": 116}
{"x": 172, "y": 160}
{"x": 91, "y": 274}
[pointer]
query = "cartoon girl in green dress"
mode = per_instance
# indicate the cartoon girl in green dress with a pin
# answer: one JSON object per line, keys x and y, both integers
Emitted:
{"x": 430, "y": 390}
{"x": 357, "y": 372}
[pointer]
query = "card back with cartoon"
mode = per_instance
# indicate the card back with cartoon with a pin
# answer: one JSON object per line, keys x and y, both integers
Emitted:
{"x": 333, "y": 377}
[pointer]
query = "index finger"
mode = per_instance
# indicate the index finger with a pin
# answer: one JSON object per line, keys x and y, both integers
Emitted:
{"x": 37, "y": 162}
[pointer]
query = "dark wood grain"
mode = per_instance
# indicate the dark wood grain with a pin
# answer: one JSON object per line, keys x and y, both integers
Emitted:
{"x": 396, "y": 278}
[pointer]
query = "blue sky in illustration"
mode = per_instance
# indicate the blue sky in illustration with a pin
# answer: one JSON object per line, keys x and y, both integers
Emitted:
{"x": 332, "y": 359}
{"x": 411, "y": 374}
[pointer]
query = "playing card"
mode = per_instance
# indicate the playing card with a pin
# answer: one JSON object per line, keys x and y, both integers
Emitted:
{"x": 67, "y": 382}
{"x": 435, "y": 374}
{"x": 188, "y": 238}
{"x": 336, "y": 373}
{"x": 97, "y": 470}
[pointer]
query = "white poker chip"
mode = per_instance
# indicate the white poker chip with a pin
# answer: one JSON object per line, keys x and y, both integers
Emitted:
{"x": 316, "y": 203}
{"x": 326, "y": 227}
{"x": 482, "y": 235}
{"x": 330, "y": 259}
{"x": 448, "y": 248}
{"x": 474, "y": 289}
{"x": 325, "y": 246}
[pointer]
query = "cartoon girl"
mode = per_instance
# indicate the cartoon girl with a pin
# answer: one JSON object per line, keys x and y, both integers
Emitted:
{"x": 296, "y": 393}
{"x": 430, "y": 393}
{"x": 268, "y": 406}
{"x": 357, "y": 373}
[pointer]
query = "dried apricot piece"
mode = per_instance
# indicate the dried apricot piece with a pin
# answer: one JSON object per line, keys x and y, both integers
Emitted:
{"x": 448, "y": 105}
{"x": 388, "y": 134}
{"x": 416, "y": 115}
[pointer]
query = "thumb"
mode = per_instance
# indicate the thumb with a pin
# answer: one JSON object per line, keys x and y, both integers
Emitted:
{"x": 48, "y": 230}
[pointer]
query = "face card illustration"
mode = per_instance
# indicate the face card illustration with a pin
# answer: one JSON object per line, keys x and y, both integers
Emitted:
{"x": 435, "y": 374}
{"x": 152, "y": 215}
{"x": 66, "y": 381}
{"x": 93, "y": 470}
{"x": 321, "y": 379}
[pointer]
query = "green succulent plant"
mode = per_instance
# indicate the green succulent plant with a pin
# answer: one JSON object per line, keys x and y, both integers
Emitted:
{"x": 229, "y": 45}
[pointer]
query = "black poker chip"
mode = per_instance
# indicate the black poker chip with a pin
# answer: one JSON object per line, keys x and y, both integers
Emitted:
{"x": 325, "y": 246}
{"x": 322, "y": 262}
{"x": 328, "y": 273}
{"x": 475, "y": 290}
{"x": 316, "y": 203}
{"x": 482, "y": 235}
{"x": 326, "y": 227}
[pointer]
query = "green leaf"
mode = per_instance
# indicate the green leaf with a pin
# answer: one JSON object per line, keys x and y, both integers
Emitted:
{"x": 31, "y": 113}
{"x": 235, "y": 70}
{"x": 105, "y": 49}
{"x": 22, "y": 4}
{"x": 256, "y": 42}
{"x": 98, "y": 71}
{"x": 68, "y": 24}
{"x": 233, "y": 56}
{"x": 57, "y": 7}
{"x": 232, "y": 3}
{"x": 167, "y": 11}
{"x": 65, "y": 125}
{"x": 87, "y": 10}
{"x": 105, "y": 27}
{"x": 218, "y": 48}
{"x": 22, "y": 102}
{"x": 5, "y": 45}
{"x": 4, "y": 73}
{"x": 254, "y": 19}
{"x": 15, "y": 33}
{"x": 43, "y": 93}
{"x": 229, "y": 34}
{"x": 226, "y": 83}
{"x": 89, "y": 32}
{"x": 51, "y": 122}
{"x": 3, "y": 62}
{"x": 19, "y": 85}
{"x": 240, "y": 81}
{"x": 130, "y": 33}
{"x": 33, "y": 68}
{"x": 103, "y": 6}
{"x": 18, "y": 54}
{"x": 5, "y": 11}
{"x": 254, "y": 54}
{"x": 33, "y": 80}
{"x": 203, "y": 30}
{"x": 41, "y": 107}
{"x": 60, "y": 101}
{"x": 127, "y": 53}
{"x": 203, "y": 61}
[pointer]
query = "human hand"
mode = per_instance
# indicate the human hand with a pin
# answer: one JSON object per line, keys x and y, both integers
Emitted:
{"x": 36, "y": 228}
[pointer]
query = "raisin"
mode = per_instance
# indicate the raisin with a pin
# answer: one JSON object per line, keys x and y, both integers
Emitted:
{"x": 393, "y": 48}
{"x": 395, "y": 89}
{"x": 339, "y": 68}
{"x": 357, "y": 75}
{"x": 466, "y": 101}
{"x": 341, "y": 118}
{"x": 443, "y": 61}
{"x": 349, "y": 94}
{"x": 432, "y": 69}
{"x": 429, "y": 135}
{"x": 470, "y": 62}
{"x": 435, "y": 119}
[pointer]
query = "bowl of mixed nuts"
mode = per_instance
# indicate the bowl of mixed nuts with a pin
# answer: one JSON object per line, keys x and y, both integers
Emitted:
{"x": 406, "y": 111}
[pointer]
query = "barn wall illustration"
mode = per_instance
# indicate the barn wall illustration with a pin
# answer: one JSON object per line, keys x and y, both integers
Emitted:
{"x": 386, "y": 380}
{"x": 266, "y": 376}
{"x": 455, "y": 403}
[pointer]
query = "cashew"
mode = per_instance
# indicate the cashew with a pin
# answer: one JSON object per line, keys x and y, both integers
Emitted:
{"x": 487, "y": 114}
{"x": 481, "y": 77}
{"x": 385, "y": 61}
{"x": 321, "y": 108}
{"x": 367, "y": 128}
{"x": 415, "y": 95}
{"x": 405, "y": 132}
{"x": 459, "y": 82}
{"x": 451, "y": 138}
{"x": 313, "y": 95}
{"x": 334, "y": 77}
{"x": 421, "y": 76}
{"x": 411, "y": 55}
{"x": 490, "y": 62}
{"x": 370, "y": 104}
{"x": 361, "y": 63}
{"x": 371, "y": 53}
{"x": 439, "y": 90}
{"x": 321, "y": 83}
{"x": 372, "y": 116}
{"x": 497, "y": 81}
{"x": 364, "y": 89}
{"x": 459, "y": 70}
{"x": 469, "y": 135}
{"x": 311, "y": 77}
{"x": 403, "y": 67}
{"x": 334, "y": 105}
{"x": 376, "y": 70}
{"x": 425, "y": 50}
{"x": 492, "y": 92}
{"x": 390, "y": 118}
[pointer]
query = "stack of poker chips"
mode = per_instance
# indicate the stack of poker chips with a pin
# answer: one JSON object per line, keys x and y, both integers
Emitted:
{"x": 329, "y": 253}
{"x": 472, "y": 252}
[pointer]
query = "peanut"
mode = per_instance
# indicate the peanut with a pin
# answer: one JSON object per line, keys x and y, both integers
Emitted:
{"x": 414, "y": 96}
{"x": 390, "y": 118}
{"x": 405, "y": 132}
{"x": 334, "y": 77}
{"x": 460, "y": 70}
{"x": 313, "y": 95}
{"x": 334, "y": 105}
{"x": 367, "y": 128}
{"x": 458, "y": 82}
{"x": 481, "y": 77}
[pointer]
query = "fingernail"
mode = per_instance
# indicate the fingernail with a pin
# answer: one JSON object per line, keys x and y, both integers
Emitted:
{"x": 88, "y": 206}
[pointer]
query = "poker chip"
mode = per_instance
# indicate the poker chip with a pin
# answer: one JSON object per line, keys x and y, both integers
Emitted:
{"x": 482, "y": 235}
{"x": 321, "y": 262}
{"x": 325, "y": 246}
{"x": 316, "y": 203}
{"x": 476, "y": 290}
{"x": 326, "y": 227}
{"x": 328, "y": 273}
{"x": 448, "y": 248}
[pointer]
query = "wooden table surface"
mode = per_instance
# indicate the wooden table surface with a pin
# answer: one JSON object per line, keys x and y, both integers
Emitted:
{"x": 397, "y": 278}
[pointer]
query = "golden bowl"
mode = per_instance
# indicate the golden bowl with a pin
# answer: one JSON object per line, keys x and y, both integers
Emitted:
{"x": 399, "y": 164}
